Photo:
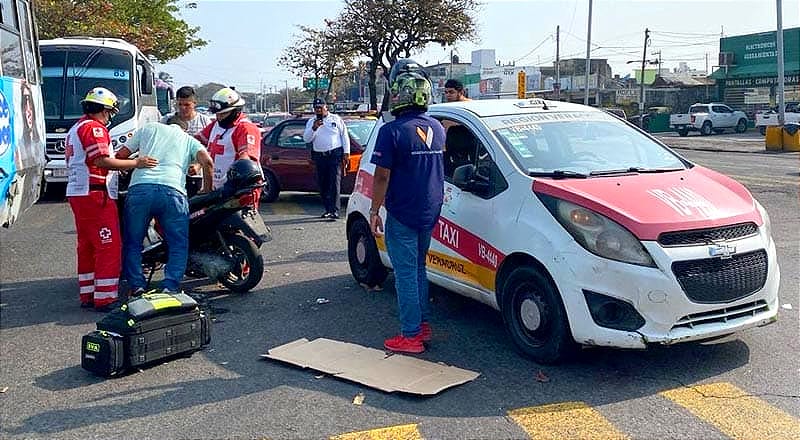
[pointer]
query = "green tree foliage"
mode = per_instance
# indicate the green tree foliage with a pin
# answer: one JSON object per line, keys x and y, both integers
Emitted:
{"x": 151, "y": 25}
{"x": 384, "y": 31}
{"x": 317, "y": 54}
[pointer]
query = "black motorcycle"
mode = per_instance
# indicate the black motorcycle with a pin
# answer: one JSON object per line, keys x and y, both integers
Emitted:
{"x": 225, "y": 232}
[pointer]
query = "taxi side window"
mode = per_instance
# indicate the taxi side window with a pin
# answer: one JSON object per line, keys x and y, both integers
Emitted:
{"x": 291, "y": 136}
{"x": 462, "y": 147}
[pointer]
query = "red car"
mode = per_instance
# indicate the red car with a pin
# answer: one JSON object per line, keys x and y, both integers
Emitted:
{"x": 286, "y": 158}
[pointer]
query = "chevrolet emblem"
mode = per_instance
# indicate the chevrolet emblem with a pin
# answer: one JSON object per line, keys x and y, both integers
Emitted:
{"x": 722, "y": 250}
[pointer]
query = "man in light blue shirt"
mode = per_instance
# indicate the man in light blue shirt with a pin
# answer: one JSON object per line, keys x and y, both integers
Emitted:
{"x": 160, "y": 193}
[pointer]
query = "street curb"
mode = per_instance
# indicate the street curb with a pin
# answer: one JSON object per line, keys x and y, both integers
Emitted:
{"x": 722, "y": 150}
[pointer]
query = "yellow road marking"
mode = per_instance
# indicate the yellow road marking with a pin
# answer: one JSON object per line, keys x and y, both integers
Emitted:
{"x": 735, "y": 413}
{"x": 287, "y": 208}
{"x": 568, "y": 420}
{"x": 401, "y": 432}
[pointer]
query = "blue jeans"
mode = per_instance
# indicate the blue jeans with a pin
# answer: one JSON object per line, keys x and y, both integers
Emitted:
{"x": 170, "y": 208}
{"x": 408, "y": 249}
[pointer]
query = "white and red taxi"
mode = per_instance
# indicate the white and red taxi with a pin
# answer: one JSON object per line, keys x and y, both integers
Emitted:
{"x": 578, "y": 227}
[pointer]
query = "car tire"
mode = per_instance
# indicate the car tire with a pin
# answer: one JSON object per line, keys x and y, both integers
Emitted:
{"x": 535, "y": 317}
{"x": 362, "y": 255}
{"x": 763, "y": 130}
{"x": 741, "y": 126}
{"x": 271, "y": 190}
{"x": 683, "y": 132}
{"x": 705, "y": 130}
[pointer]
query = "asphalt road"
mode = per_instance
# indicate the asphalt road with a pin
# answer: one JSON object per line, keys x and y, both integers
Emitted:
{"x": 741, "y": 386}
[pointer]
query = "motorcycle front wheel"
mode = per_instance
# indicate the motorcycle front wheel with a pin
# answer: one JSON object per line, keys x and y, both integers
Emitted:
{"x": 248, "y": 265}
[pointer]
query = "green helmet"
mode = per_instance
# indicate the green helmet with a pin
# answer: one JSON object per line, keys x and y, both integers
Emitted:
{"x": 410, "y": 86}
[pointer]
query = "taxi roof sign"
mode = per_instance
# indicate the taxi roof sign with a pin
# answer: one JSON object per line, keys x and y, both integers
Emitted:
{"x": 533, "y": 103}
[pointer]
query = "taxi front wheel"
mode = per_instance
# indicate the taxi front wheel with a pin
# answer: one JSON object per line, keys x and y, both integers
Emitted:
{"x": 362, "y": 254}
{"x": 535, "y": 317}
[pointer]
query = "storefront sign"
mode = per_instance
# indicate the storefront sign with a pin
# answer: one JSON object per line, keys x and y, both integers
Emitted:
{"x": 762, "y": 82}
{"x": 762, "y": 48}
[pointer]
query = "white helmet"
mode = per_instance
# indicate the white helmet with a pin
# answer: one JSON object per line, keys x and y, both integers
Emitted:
{"x": 225, "y": 100}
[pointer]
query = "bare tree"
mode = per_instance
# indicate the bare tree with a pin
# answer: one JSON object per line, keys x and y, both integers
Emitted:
{"x": 317, "y": 54}
{"x": 386, "y": 30}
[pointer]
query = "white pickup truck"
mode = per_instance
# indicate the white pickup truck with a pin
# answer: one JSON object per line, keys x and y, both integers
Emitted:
{"x": 766, "y": 119}
{"x": 706, "y": 118}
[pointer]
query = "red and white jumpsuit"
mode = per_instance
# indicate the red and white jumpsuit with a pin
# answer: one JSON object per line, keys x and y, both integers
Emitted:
{"x": 92, "y": 195}
{"x": 225, "y": 145}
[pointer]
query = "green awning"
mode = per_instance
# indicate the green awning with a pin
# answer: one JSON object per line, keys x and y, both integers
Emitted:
{"x": 757, "y": 70}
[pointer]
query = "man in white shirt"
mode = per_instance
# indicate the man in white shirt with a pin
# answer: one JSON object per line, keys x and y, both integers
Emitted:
{"x": 186, "y": 101}
{"x": 331, "y": 151}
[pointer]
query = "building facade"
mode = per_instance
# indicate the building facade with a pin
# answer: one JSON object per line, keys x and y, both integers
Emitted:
{"x": 747, "y": 75}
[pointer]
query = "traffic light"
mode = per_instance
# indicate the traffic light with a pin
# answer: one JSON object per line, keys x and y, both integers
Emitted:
{"x": 521, "y": 84}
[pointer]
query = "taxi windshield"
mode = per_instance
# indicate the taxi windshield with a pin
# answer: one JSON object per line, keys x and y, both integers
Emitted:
{"x": 589, "y": 143}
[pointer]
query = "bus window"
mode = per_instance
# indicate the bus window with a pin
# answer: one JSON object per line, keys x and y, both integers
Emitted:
{"x": 80, "y": 69}
{"x": 12, "y": 54}
{"x": 146, "y": 76}
{"x": 28, "y": 47}
{"x": 7, "y": 15}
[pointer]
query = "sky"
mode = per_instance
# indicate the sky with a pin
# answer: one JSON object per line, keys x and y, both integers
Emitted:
{"x": 246, "y": 38}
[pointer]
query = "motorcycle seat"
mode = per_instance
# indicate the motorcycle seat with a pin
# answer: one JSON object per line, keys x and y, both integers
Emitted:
{"x": 203, "y": 200}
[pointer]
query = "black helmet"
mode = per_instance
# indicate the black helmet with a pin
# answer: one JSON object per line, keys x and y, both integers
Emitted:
{"x": 242, "y": 173}
{"x": 406, "y": 65}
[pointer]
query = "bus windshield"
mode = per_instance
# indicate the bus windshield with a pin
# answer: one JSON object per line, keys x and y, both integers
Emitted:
{"x": 70, "y": 72}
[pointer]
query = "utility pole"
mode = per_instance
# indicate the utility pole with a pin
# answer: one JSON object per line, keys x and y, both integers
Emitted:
{"x": 781, "y": 79}
{"x": 588, "y": 54}
{"x": 451, "y": 62}
{"x": 707, "y": 72}
{"x": 641, "y": 84}
{"x": 558, "y": 65}
{"x": 659, "y": 61}
{"x": 287, "y": 97}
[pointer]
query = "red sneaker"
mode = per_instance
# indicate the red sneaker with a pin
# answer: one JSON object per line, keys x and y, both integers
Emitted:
{"x": 425, "y": 332}
{"x": 403, "y": 344}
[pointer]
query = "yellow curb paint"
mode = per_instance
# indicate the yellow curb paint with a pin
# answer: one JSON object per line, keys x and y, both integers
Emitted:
{"x": 400, "y": 432}
{"x": 568, "y": 420}
{"x": 735, "y": 413}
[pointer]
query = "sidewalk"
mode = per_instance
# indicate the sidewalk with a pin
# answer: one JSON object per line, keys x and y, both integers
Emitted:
{"x": 750, "y": 142}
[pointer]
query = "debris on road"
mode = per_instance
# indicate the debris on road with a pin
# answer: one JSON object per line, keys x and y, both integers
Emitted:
{"x": 787, "y": 306}
{"x": 541, "y": 377}
{"x": 3, "y": 390}
{"x": 359, "y": 399}
{"x": 323, "y": 300}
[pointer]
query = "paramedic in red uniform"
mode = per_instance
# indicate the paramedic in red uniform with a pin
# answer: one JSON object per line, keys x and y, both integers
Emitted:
{"x": 231, "y": 137}
{"x": 91, "y": 193}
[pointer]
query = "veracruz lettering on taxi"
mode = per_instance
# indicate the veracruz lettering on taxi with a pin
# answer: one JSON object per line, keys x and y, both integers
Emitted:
{"x": 685, "y": 202}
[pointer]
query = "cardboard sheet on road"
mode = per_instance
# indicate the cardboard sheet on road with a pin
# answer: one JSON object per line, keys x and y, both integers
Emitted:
{"x": 371, "y": 367}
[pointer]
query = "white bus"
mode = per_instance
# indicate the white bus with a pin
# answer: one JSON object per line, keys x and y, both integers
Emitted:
{"x": 21, "y": 118}
{"x": 71, "y": 67}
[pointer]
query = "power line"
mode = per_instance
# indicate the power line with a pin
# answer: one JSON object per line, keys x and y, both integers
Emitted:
{"x": 549, "y": 37}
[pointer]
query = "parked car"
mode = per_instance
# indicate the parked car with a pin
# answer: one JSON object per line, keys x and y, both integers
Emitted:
{"x": 706, "y": 118}
{"x": 286, "y": 158}
{"x": 579, "y": 228}
{"x": 770, "y": 118}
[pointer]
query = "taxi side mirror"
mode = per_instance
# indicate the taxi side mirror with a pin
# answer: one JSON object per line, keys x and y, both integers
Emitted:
{"x": 466, "y": 178}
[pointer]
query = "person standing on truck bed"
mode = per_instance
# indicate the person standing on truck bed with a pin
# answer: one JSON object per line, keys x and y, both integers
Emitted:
{"x": 91, "y": 196}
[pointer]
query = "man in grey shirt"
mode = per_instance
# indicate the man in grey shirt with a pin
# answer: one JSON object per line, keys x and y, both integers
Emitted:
{"x": 186, "y": 101}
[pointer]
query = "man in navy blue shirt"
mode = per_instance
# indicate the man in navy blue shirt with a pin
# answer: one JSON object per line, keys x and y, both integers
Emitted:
{"x": 409, "y": 180}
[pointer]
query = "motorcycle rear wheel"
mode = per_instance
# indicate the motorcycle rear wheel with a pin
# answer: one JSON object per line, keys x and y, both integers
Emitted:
{"x": 248, "y": 265}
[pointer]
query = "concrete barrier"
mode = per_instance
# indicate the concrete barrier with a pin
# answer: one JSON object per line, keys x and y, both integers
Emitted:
{"x": 791, "y": 137}
{"x": 774, "y": 138}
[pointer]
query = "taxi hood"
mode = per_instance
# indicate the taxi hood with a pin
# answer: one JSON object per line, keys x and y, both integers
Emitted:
{"x": 650, "y": 204}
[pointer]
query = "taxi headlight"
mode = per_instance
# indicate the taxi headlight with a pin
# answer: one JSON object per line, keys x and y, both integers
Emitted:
{"x": 597, "y": 233}
{"x": 765, "y": 216}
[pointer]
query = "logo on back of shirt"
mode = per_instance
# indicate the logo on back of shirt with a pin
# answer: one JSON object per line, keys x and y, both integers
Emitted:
{"x": 426, "y": 136}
